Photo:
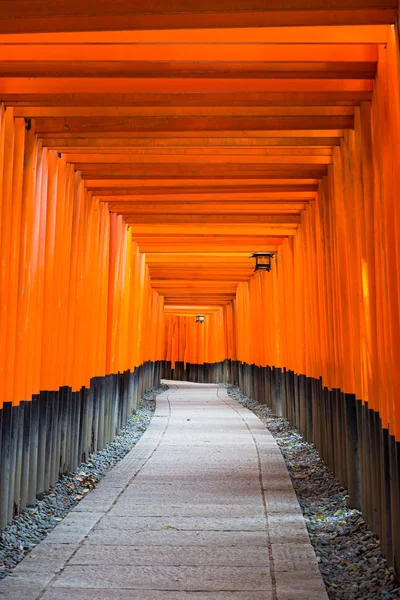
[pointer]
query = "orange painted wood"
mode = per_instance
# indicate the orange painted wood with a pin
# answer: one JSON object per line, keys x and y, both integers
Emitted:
{"x": 154, "y": 161}
{"x": 215, "y": 69}
{"x": 98, "y": 125}
{"x": 332, "y": 34}
{"x": 141, "y": 98}
{"x": 200, "y": 52}
{"x": 123, "y": 85}
{"x": 23, "y": 17}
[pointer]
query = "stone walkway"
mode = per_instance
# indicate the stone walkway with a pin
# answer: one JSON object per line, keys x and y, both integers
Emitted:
{"x": 201, "y": 509}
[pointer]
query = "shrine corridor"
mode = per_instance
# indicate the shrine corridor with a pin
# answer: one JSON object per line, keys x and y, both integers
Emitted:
{"x": 202, "y": 192}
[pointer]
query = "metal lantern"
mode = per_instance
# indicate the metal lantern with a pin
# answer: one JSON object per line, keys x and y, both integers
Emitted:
{"x": 200, "y": 318}
{"x": 263, "y": 260}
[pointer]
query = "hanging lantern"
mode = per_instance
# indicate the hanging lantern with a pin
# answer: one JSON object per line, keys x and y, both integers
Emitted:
{"x": 263, "y": 260}
{"x": 200, "y": 318}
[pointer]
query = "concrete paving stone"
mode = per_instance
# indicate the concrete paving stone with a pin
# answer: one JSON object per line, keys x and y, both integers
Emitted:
{"x": 270, "y": 455}
{"x": 185, "y": 431}
{"x": 219, "y": 443}
{"x": 279, "y": 501}
{"x": 102, "y": 493}
{"x": 221, "y": 466}
{"x": 214, "y": 418}
{"x": 172, "y": 537}
{"x": 300, "y": 585}
{"x": 120, "y": 480}
{"x": 205, "y": 476}
{"x": 99, "y": 506}
{"x": 199, "y": 458}
{"x": 73, "y": 528}
{"x": 13, "y": 590}
{"x": 294, "y": 557}
{"x": 133, "y": 460}
{"x": 217, "y": 460}
{"x": 280, "y": 482}
{"x": 276, "y": 467}
{"x": 248, "y": 450}
{"x": 287, "y": 528}
{"x": 215, "y": 485}
{"x": 246, "y": 556}
{"x": 187, "y": 497}
{"x": 171, "y": 495}
{"x": 128, "y": 508}
{"x": 74, "y": 594}
{"x": 203, "y": 480}
{"x": 182, "y": 523}
{"x": 45, "y": 557}
{"x": 165, "y": 578}
{"x": 98, "y": 500}
{"x": 21, "y": 579}
{"x": 105, "y": 484}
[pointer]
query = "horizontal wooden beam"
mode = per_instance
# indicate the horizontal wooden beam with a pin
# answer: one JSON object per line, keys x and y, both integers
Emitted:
{"x": 272, "y": 229}
{"x": 189, "y": 311}
{"x": 242, "y": 265}
{"x": 99, "y": 125}
{"x": 165, "y": 272}
{"x": 123, "y": 145}
{"x": 178, "y": 283}
{"x": 200, "y": 186}
{"x": 180, "y": 111}
{"x": 24, "y": 9}
{"x": 186, "y": 69}
{"x": 328, "y": 34}
{"x": 134, "y": 154}
{"x": 21, "y": 17}
{"x": 122, "y": 155}
{"x": 209, "y": 219}
{"x": 170, "y": 308}
{"x": 81, "y": 161}
{"x": 201, "y": 278}
{"x": 246, "y": 241}
{"x": 101, "y": 85}
{"x": 203, "y": 197}
{"x": 198, "y": 138}
{"x": 153, "y": 210}
{"x": 201, "y": 256}
{"x": 182, "y": 185}
{"x": 111, "y": 97}
{"x": 217, "y": 301}
{"x": 250, "y": 247}
{"x": 264, "y": 135}
{"x": 224, "y": 270}
{"x": 209, "y": 242}
{"x": 233, "y": 171}
{"x": 184, "y": 54}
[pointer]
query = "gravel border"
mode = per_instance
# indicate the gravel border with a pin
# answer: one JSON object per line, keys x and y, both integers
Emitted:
{"x": 349, "y": 555}
{"x": 35, "y": 522}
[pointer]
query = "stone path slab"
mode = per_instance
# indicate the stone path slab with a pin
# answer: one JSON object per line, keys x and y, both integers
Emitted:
{"x": 201, "y": 509}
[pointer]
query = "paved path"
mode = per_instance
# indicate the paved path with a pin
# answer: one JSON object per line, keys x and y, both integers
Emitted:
{"x": 201, "y": 509}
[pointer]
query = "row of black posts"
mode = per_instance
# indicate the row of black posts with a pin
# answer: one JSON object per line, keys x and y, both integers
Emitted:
{"x": 349, "y": 436}
{"x": 55, "y": 432}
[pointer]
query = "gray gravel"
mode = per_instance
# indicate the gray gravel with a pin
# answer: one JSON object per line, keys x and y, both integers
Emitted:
{"x": 34, "y": 523}
{"x": 349, "y": 555}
